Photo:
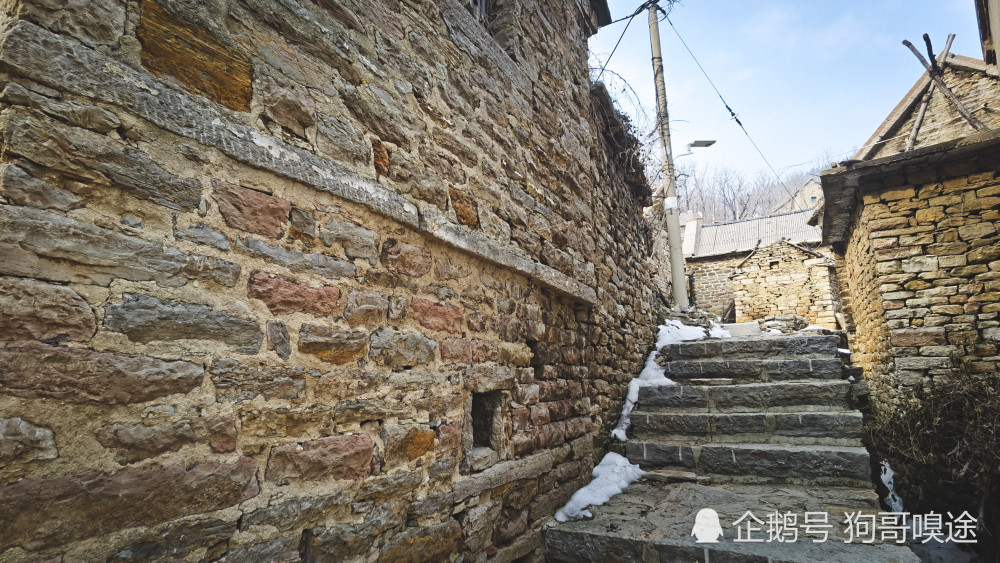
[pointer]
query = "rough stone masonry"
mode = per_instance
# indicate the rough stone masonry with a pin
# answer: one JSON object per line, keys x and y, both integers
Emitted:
{"x": 293, "y": 280}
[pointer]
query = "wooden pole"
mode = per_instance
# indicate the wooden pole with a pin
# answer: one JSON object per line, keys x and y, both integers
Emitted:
{"x": 939, "y": 81}
{"x": 927, "y": 98}
{"x": 678, "y": 282}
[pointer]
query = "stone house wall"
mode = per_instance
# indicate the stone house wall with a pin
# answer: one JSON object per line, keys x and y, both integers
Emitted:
{"x": 711, "y": 281}
{"x": 282, "y": 280}
{"x": 922, "y": 268}
{"x": 785, "y": 279}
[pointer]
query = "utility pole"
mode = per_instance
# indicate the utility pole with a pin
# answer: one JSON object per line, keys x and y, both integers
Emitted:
{"x": 668, "y": 190}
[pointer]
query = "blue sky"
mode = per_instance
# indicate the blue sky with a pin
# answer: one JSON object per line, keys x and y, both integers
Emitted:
{"x": 808, "y": 78}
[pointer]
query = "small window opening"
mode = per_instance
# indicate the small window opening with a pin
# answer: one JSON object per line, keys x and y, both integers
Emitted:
{"x": 487, "y": 431}
{"x": 483, "y": 414}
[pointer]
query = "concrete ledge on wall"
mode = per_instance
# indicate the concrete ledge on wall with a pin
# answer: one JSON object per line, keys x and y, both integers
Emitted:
{"x": 49, "y": 59}
{"x": 463, "y": 238}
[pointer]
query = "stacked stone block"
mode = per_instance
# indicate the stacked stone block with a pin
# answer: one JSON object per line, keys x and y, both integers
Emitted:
{"x": 712, "y": 282}
{"x": 786, "y": 279}
{"x": 922, "y": 264}
{"x": 261, "y": 262}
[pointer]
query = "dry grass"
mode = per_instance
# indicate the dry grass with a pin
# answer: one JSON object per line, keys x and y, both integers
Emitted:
{"x": 945, "y": 441}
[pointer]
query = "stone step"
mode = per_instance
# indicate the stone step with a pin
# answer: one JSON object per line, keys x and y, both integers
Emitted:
{"x": 817, "y": 395}
{"x": 815, "y": 346}
{"x": 739, "y": 462}
{"x": 805, "y": 427}
{"x": 756, "y": 370}
{"x": 653, "y": 521}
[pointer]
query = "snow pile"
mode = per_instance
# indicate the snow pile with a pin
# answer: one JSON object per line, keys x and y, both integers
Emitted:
{"x": 671, "y": 332}
{"x": 611, "y": 477}
{"x": 718, "y": 332}
{"x": 892, "y": 500}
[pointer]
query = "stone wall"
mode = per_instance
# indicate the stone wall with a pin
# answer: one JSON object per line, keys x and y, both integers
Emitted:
{"x": 285, "y": 280}
{"x": 711, "y": 281}
{"x": 786, "y": 279}
{"x": 922, "y": 263}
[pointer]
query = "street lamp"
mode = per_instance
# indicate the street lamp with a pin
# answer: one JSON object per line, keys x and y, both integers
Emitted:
{"x": 696, "y": 145}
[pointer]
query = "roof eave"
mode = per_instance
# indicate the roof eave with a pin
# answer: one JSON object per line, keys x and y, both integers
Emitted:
{"x": 600, "y": 8}
{"x": 843, "y": 187}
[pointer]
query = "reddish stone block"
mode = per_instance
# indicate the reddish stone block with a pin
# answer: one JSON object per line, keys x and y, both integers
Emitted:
{"x": 525, "y": 443}
{"x": 45, "y": 513}
{"x": 283, "y": 295}
{"x": 405, "y": 259}
{"x": 552, "y": 434}
{"x": 484, "y": 351}
{"x": 567, "y": 471}
{"x": 252, "y": 211}
{"x": 335, "y": 457}
{"x": 572, "y": 356}
{"x": 465, "y": 206}
{"x": 450, "y": 435}
{"x": 456, "y": 350}
{"x": 436, "y": 316}
{"x": 540, "y": 414}
{"x": 33, "y": 310}
{"x": 930, "y": 336}
{"x": 577, "y": 427}
{"x": 560, "y": 410}
{"x": 551, "y": 390}
{"x": 139, "y": 441}
{"x": 78, "y": 375}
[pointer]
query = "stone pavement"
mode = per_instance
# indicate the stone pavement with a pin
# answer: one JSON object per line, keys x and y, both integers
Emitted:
{"x": 759, "y": 424}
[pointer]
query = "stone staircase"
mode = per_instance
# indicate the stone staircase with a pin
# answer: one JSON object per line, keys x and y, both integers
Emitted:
{"x": 765, "y": 409}
{"x": 755, "y": 423}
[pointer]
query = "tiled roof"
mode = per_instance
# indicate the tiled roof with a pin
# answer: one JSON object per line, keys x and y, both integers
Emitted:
{"x": 743, "y": 236}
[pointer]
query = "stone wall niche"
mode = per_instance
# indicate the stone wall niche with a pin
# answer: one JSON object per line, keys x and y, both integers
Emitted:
{"x": 488, "y": 425}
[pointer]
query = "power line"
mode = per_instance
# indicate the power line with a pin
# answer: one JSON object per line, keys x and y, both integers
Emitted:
{"x": 637, "y": 11}
{"x": 731, "y": 112}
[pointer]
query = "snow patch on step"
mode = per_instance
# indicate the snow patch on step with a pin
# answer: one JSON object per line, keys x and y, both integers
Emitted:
{"x": 612, "y": 476}
{"x": 652, "y": 374}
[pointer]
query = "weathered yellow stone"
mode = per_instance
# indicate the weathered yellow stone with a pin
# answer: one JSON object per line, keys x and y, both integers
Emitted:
{"x": 191, "y": 55}
{"x": 897, "y": 194}
{"x": 930, "y": 215}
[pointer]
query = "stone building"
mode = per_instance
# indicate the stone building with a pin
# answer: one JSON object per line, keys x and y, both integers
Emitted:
{"x": 714, "y": 252}
{"x": 807, "y": 197}
{"x": 916, "y": 233}
{"x": 784, "y": 279}
{"x": 345, "y": 280}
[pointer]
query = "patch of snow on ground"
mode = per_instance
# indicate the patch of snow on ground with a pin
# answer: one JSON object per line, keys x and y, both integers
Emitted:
{"x": 892, "y": 500}
{"x": 843, "y": 350}
{"x": 812, "y": 328}
{"x": 930, "y": 550}
{"x": 671, "y": 332}
{"x": 611, "y": 477}
{"x": 718, "y": 332}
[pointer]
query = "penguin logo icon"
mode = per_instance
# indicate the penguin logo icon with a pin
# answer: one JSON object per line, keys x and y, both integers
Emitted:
{"x": 707, "y": 527}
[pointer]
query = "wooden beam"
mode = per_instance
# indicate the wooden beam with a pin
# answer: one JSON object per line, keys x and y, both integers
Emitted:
{"x": 939, "y": 81}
